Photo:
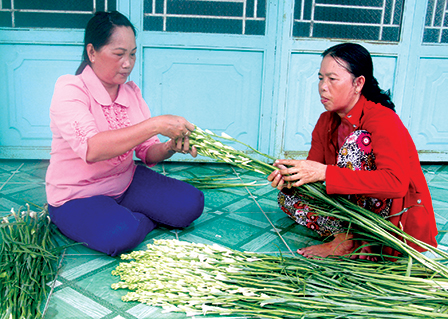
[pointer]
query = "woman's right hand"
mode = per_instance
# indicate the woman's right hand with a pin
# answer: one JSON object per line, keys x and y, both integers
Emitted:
{"x": 297, "y": 173}
{"x": 181, "y": 145}
{"x": 276, "y": 178}
{"x": 173, "y": 126}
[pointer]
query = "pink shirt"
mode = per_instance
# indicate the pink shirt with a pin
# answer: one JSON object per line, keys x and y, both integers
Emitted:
{"x": 81, "y": 107}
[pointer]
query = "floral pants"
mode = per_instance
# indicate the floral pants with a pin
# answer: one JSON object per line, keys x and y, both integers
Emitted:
{"x": 356, "y": 154}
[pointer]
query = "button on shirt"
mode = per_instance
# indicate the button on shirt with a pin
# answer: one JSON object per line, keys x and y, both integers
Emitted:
{"x": 80, "y": 108}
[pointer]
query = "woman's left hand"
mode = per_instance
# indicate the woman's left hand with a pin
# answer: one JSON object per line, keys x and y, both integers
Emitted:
{"x": 182, "y": 145}
{"x": 300, "y": 172}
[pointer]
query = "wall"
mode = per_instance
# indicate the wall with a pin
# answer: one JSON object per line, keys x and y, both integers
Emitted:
{"x": 261, "y": 89}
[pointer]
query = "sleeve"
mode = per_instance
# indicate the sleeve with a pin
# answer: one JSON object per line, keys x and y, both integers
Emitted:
{"x": 392, "y": 177}
{"x": 317, "y": 150}
{"x": 142, "y": 149}
{"x": 70, "y": 114}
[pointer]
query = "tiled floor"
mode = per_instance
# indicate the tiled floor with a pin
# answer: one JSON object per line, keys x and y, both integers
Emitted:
{"x": 239, "y": 218}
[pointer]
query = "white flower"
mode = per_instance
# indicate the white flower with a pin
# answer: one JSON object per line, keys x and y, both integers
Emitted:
{"x": 221, "y": 277}
{"x": 221, "y": 248}
{"x": 232, "y": 269}
{"x": 181, "y": 255}
{"x": 226, "y": 135}
{"x": 190, "y": 312}
{"x": 246, "y": 292}
{"x": 214, "y": 290}
{"x": 228, "y": 260}
{"x": 206, "y": 309}
{"x": 207, "y": 277}
{"x": 169, "y": 308}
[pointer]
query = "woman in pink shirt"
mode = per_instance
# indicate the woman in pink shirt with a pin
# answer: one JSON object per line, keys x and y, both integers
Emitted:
{"x": 97, "y": 195}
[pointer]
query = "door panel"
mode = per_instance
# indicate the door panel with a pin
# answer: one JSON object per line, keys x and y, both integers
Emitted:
{"x": 29, "y": 73}
{"x": 303, "y": 108}
{"x": 430, "y": 117}
{"x": 214, "y": 89}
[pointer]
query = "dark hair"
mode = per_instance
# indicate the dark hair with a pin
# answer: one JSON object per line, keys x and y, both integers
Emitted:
{"x": 359, "y": 62}
{"x": 99, "y": 30}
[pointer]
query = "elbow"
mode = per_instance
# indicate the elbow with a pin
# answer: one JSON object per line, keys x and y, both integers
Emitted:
{"x": 401, "y": 192}
{"x": 91, "y": 159}
{"x": 92, "y": 156}
{"x": 400, "y": 187}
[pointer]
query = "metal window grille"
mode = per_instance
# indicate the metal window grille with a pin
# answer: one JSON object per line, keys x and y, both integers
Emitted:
{"x": 51, "y": 13}
{"x": 378, "y": 20}
{"x": 436, "y": 24}
{"x": 206, "y": 16}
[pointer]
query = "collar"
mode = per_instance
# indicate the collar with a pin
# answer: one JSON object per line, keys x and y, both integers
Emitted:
{"x": 355, "y": 114}
{"x": 98, "y": 91}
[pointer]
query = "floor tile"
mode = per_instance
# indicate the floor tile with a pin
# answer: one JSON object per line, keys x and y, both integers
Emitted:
{"x": 240, "y": 218}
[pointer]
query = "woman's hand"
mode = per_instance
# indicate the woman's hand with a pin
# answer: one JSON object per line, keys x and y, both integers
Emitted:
{"x": 181, "y": 145}
{"x": 296, "y": 173}
{"x": 173, "y": 126}
{"x": 276, "y": 178}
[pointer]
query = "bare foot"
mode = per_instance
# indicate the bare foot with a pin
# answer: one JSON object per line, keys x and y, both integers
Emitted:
{"x": 365, "y": 251}
{"x": 341, "y": 245}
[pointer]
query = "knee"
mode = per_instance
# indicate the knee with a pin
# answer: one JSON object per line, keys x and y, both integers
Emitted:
{"x": 191, "y": 208}
{"x": 123, "y": 237}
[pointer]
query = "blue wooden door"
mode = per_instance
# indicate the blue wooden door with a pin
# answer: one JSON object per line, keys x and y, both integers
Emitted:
{"x": 408, "y": 41}
{"x": 212, "y": 67}
{"x": 246, "y": 67}
{"x": 212, "y": 62}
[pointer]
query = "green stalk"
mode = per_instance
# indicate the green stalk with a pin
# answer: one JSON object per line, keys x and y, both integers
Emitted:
{"x": 208, "y": 182}
{"x": 28, "y": 253}
{"x": 377, "y": 228}
{"x": 197, "y": 278}
{"x": 187, "y": 277}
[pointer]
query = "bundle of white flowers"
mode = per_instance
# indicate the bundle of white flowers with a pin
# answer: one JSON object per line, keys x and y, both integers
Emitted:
{"x": 211, "y": 279}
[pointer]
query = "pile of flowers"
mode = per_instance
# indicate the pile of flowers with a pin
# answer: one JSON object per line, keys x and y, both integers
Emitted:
{"x": 210, "y": 279}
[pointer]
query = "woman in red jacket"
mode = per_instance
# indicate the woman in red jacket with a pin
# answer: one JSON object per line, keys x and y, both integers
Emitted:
{"x": 359, "y": 148}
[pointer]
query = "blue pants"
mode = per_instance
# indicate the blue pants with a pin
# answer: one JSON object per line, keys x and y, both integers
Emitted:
{"x": 114, "y": 225}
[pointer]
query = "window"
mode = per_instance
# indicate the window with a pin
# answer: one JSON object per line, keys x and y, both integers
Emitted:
{"x": 436, "y": 23}
{"x": 378, "y": 20}
{"x": 51, "y": 13}
{"x": 206, "y": 16}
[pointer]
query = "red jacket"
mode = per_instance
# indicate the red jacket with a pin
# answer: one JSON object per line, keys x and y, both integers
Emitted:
{"x": 398, "y": 176}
